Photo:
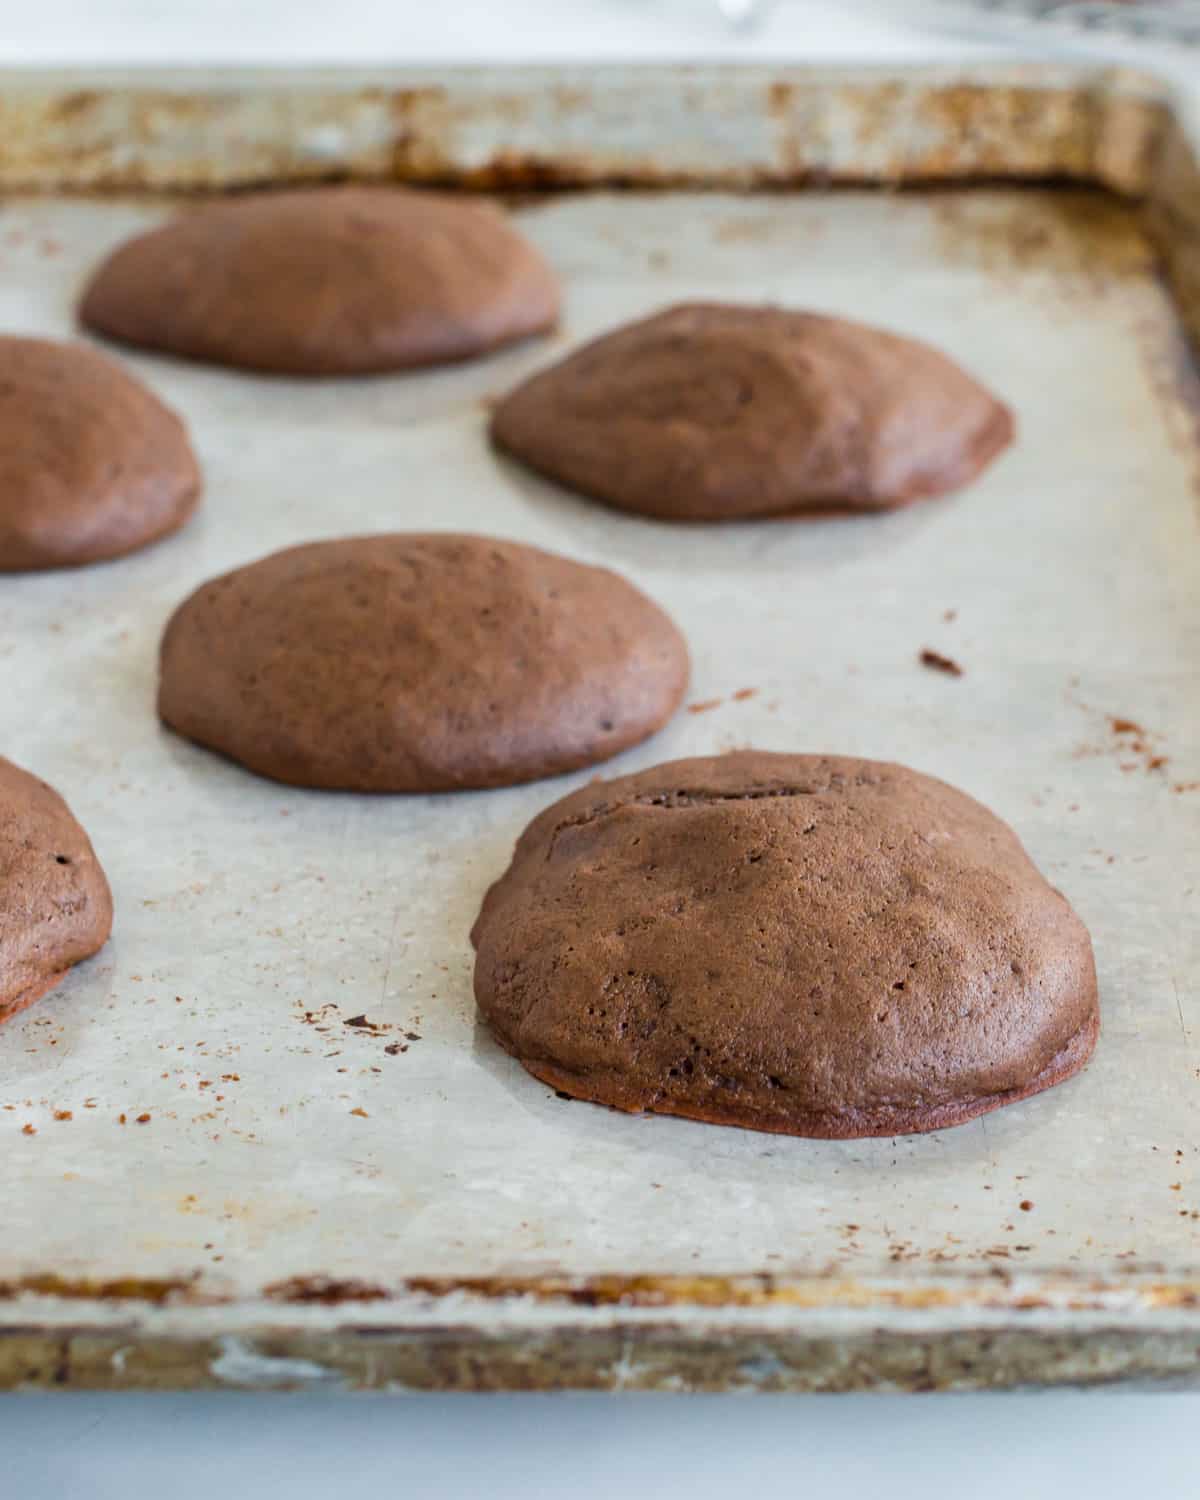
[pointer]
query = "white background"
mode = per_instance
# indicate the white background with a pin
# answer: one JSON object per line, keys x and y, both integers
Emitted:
{"x": 91, "y": 1448}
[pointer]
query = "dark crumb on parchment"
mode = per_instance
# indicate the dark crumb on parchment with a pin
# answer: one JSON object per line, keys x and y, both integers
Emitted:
{"x": 936, "y": 662}
{"x": 394, "y": 1049}
{"x": 63, "y": 1114}
{"x": 360, "y": 1023}
{"x": 28, "y": 1129}
{"x": 143, "y": 1119}
{"x": 1026, "y": 1205}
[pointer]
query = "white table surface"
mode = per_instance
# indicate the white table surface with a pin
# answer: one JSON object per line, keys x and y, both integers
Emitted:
{"x": 71, "y": 1447}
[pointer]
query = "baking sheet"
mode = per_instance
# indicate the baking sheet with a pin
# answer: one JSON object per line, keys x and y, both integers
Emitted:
{"x": 254, "y": 922}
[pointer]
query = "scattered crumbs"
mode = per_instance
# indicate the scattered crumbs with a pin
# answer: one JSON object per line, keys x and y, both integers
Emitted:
{"x": 1133, "y": 739}
{"x": 89, "y": 1104}
{"x": 361, "y": 1113}
{"x": 28, "y": 1129}
{"x": 743, "y": 693}
{"x": 936, "y": 662}
{"x": 1026, "y": 1205}
{"x": 231, "y": 1078}
{"x": 1185, "y": 786}
{"x": 143, "y": 1119}
{"x": 394, "y": 1049}
{"x": 1134, "y": 746}
{"x": 120, "y": 1119}
{"x": 412, "y": 1036}
{"x": 704, "y": 706}
{"x": 1176, "y": 1187}
{"x": 63, "y": 1114}
{"x": 950, "y": 615}
{"x": 178, "y": 999}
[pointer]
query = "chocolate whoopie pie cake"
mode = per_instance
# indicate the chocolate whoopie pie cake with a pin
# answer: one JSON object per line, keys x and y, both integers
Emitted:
{"x": 798, "y": 943}
{"x": 92, "y": 464}
{"x": 419, "y": 663}
{"x": 714, "y": 412}
{"x": 55, "y": 906}
{"x": 326, "y": 281}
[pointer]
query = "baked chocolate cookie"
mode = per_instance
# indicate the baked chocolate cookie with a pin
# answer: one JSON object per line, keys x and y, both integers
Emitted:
{"x": 55, "y": 906}
{"x": 419, "y": 663}
{"x": 326, "y": 281}
{"x": 799, "y": 943}
{"x": 92, "y": 464}
{"x": 713, "y": 412}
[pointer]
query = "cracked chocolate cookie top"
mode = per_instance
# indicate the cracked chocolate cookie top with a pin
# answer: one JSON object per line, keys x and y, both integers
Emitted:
{"x": 418, "y": 663}
{"x": 55, "y": 907}
{"x": 799, "y": 943}
{"x": 326, "y": 281}
{"x": 711, "y": 411}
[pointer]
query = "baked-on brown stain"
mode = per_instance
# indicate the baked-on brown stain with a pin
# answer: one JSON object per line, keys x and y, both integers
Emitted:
{"x": 806, "y": 944}
{"x": 326, "y": 281}
{"x": 419, "y": 663}
{"x": 92, "y": 463}
{"x": 712, "y": 411}
{"x": 55, "y": 906}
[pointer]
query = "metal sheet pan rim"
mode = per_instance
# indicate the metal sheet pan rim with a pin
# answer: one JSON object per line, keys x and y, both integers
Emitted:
{"x": 1149, "y": 1304}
